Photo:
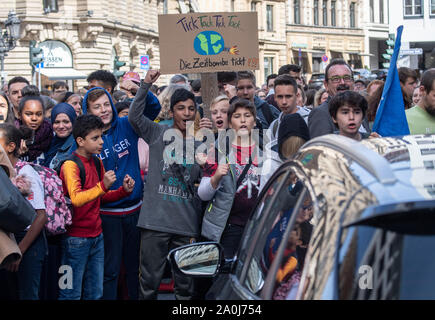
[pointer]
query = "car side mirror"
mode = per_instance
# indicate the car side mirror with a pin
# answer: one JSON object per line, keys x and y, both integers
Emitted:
{"x": 198, "y": 260}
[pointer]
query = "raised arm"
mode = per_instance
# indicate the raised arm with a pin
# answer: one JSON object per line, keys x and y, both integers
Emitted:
{"x": 144, "y": 127}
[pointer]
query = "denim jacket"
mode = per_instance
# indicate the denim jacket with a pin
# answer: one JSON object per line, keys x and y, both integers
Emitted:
{"x": 63, "y": 153}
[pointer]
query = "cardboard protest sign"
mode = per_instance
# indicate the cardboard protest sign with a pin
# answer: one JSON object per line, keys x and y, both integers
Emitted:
{"x": 208, "y": 42}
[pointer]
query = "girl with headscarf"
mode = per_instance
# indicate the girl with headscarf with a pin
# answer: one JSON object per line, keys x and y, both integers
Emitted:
{"x": 63, "y": 117}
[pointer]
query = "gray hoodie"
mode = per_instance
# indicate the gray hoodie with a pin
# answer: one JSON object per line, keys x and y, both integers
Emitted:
{"x": 168, "y": 205}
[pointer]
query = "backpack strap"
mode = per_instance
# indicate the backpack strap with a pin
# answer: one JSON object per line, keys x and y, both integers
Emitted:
{"x": 97, "y": 163}
{"x": 82, "y": 173}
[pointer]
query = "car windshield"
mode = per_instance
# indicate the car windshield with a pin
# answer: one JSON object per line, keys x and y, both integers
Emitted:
{"x": 380, "y": 264}
{"x": 317, "y": 76}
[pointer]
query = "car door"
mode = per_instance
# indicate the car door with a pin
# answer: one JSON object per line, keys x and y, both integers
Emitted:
{"x": 266, "y": 236}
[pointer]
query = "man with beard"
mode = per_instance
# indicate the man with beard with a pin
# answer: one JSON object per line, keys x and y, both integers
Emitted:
{"x": 421, "y": 118}
{"x": 408, "y": 81}
{"x": 338, "y": 78}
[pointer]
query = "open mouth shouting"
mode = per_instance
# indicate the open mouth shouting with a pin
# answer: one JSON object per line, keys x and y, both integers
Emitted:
{"x": 352, "y": 126}
{"x": 219, "y": 123}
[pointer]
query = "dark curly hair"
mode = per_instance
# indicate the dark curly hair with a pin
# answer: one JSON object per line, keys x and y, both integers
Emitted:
{"x": 85, "y": 124}
{"x": 349, "y": 98}
{"x": 105, "y": 76}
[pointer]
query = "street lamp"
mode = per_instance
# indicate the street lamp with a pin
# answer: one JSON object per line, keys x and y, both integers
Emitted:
{"x": 8, "y": 39}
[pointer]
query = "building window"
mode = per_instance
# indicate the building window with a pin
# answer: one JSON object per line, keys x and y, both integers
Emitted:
{"x": 352, "y": 14}
{"x": 297, "y": 11}
{"x": 268, "y": 66}
{"x": 233, "y": 5}
{"x": 381, "y": 11}
{"x": 325, "y": 12}
{"x": 254, "y": 6}
{"x": 432, "y": 7}
{"x": 269, "y": 17}
{"x": 333, "y": 22}
{"x": 413, "y": 8}
{"x": 316, "y": 12}
{"x": 318, "y": 65}
{"x": 372, "y": 11}
{"x": 50, "y": 6}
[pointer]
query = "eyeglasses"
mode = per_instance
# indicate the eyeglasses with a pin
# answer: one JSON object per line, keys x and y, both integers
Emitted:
{"x": 337, "y": 79}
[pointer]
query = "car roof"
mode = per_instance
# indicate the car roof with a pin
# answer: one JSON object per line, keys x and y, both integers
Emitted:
{"x": 391, "y": 170}
{"x": 352, "y": 182}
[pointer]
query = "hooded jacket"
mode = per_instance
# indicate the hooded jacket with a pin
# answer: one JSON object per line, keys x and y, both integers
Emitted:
{"x": 170, "y": 189}
{"x": 218, "y": 211}
{"x": 120, "y": 154}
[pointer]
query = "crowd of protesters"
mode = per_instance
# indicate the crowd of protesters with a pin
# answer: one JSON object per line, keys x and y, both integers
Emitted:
{"x": 134, "y": 195}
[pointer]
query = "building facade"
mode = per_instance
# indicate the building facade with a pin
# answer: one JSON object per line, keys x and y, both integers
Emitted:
{"x": 320, "y": 30}
{"x": 271, "y": 29}
{"x": 80, "y": 36}
{"x": 376, "y": 31}
{"x": 418, "y": 37}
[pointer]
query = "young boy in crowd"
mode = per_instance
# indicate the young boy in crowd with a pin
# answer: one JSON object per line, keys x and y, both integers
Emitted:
{"x": 287, "y": 94}
{"x": 170, "y": 218}
{"x": 83, "y": 245}
{"x": 348, "y": 109}
{"x": 245, "y": 88}
{"x": 120, "y": 154}
{"x": 238, "y": 178}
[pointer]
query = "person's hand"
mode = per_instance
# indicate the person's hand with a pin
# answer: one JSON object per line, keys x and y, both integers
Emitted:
{"x": 230, "y": 90}
{"x": 129, "y": 87}
{"x": 205, "y": 123}
{"x": 221, "y": 171}
{"x": 152, "y": 76}
{"x": 109, "y": 179}
{"x": 201, "y": 158}
{"x": 374, "y": 135}
{"x": 128, "y": 184}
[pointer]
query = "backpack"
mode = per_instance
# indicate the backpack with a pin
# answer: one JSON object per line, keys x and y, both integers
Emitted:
{"x": 82, "y": 173}
{"x": 58, "y": 213}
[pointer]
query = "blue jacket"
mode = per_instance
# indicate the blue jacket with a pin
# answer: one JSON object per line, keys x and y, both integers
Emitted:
{"x": 121, "y": 155}
{"x": 63, "y": 153}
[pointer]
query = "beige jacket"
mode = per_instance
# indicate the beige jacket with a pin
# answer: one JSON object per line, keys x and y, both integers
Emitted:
{"x": 9, "y": 251}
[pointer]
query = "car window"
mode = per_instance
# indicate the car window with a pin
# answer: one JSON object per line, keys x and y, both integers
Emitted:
{"x": 266, "y": 231}
{"x": 254, "y": 225}
{"x": 318, "y": 77}
{"x": 290, "y": 255}
{"x": 377, "y": 264}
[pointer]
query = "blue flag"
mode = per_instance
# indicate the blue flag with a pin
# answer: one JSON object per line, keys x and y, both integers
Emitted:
{"x": 391, "y": 118}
